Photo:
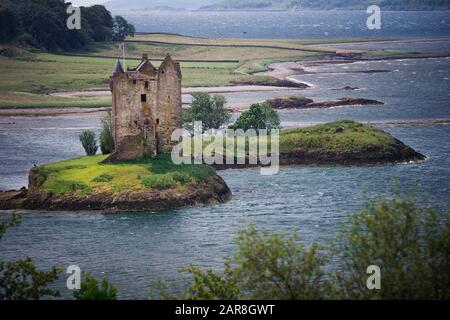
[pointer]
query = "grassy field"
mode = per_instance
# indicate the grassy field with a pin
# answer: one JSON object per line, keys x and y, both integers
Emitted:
{"x": 86, "y": 175}
{"x": 29, "y": 79}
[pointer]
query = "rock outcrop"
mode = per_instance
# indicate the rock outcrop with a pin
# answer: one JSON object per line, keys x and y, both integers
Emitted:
{"x": 305, "y": 103}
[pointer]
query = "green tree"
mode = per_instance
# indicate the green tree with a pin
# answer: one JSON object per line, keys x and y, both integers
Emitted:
{"x": 100, "y": 22}
{"x": 87, "y": 138}
{"x": 9, "y": 24}
{"x": 210, "y": 110}
{"x": 122, "y": 29}
{"x": 259, "y": 116}
{"x": 21, "y": 280}
{"x": 106, "y": 135}
{"x": 45, "y": 21}
{"x": 92, "y": 289}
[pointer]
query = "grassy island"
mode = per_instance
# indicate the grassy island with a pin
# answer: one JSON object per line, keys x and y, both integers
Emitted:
{"x": 86, "y": 175}
{"x": 343, "y": 142}
{"x": 141, "y": 185}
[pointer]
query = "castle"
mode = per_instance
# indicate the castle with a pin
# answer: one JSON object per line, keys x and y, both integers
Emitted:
{"x": 146, "y": 108}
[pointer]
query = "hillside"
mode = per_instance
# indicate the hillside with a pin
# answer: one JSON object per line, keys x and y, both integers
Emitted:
{"x": 327, "y": 4}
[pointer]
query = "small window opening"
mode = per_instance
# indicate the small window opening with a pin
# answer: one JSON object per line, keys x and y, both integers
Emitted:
{"x": 143, "y": 98}
{"x": 134, "y": 81}
{"x": 146, "y": 84}
{"x": 157, "y": 121}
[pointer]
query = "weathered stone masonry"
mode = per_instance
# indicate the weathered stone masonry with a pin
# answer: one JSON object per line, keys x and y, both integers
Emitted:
{"x": 146, "y": 108}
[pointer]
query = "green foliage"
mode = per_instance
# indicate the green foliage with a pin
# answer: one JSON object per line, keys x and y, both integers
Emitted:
{"x": 158, "y": 182}
{"x": 264, "y": 267}
{"x": 409, "y": 242}
{"x": 12, "y": 221}
{"x": 93, "y": 289}
{"x": 9, "y": 22}
{"x": 85, "y": 175}
{"x": 106, "y": 135}
{"x": 210, "y": 110}
{"x": 21, "y": 280}
{"x": 87, "y": 139}
{"x": 99, "y": 22}
{"x": 122, "y": 29}
{"x": 42, "y": 23}
{"x": 103, "y": 178}
{"x": 165, "y": 175}
{"x": 259, "y": 116}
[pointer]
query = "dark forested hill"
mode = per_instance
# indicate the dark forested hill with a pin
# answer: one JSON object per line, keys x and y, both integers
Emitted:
{"x": 328, "y": 4}
{"x": 43, "y": 24}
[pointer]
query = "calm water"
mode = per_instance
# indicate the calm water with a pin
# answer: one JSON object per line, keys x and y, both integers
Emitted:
{"x": 293, "y": 25}
{"x": 134, "y": 250}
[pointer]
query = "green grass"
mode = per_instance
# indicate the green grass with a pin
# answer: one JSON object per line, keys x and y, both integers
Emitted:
{"x": 30, "y": 78}
{"x": 76, "y": 175}
{"x": 337, "y": 138}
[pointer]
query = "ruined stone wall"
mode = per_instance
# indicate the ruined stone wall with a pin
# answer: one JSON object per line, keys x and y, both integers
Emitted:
{"x": 146, "y": 109}
{"x": 134, "y": 128}
{"x": 169, "y": 103}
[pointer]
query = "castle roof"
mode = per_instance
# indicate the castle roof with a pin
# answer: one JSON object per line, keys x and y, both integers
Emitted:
{"x": 117, "y": 68}
{"x": 145, "y": 66}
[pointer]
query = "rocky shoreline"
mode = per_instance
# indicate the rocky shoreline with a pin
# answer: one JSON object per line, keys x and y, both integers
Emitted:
{"x": 212, "y": 190}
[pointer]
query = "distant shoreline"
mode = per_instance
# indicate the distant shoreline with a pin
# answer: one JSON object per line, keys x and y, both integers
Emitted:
{"x": 280, "y": 72}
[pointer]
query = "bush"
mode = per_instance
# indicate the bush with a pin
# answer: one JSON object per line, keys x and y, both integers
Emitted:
{"x": 158, "y": 182}
{"x": 103, "y": 178}
{"x": 87, "y": 138}
{"x": 408, "y": 241}
{"x": 92, "y": 289}
{"x": 106, "y": 135}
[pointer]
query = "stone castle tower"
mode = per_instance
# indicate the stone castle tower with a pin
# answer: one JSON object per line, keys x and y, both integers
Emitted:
{"x": 146, "y": 108}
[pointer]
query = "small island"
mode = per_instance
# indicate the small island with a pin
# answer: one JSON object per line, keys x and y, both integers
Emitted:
{"x": 339, "y": 143}
{"x": 296, "y": 102}
{"x": 139, "y": 185}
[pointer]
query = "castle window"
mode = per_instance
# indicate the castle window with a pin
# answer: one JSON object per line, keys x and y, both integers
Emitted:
{"x": 134, "y": 81}
{"x": 157, "y": 121}
{"x": 146, "y": 84}
{"x": 143, "y": 98}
